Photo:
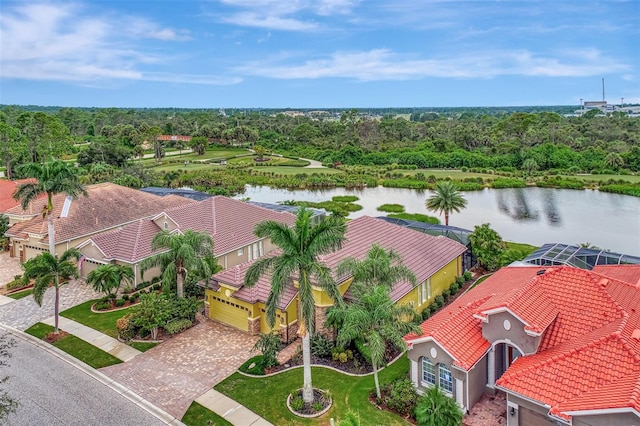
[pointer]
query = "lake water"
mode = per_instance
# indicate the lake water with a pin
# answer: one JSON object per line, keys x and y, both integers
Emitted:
{"x": 527, "y": 215}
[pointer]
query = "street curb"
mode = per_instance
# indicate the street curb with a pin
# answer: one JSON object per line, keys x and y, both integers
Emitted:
{"x": 97, "y": 375}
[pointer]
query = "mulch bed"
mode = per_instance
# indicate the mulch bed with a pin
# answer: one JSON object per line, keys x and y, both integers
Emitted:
{"x": 52, "y": 337}
{"x": 319, "y": 398}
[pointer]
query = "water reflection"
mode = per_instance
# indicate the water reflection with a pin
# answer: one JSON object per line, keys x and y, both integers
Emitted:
{"x": 551, "y": 209}
{"x": 516, "y": 206}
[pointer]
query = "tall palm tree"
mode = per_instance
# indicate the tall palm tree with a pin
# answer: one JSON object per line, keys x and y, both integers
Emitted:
{"x": 437, "y": 409}
{"x": 379, "y": 267}
{"x": 181, "y": 254}
{"x": 108, "y": 278}
{"x": 378, "y": 321}
{"x": 51, "y": 178}
{"x": 446, "y": 199}
{"x": 49, "y": 270}
{"x": 301, "y": 248}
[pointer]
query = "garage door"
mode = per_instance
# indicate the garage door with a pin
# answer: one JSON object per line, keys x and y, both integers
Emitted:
{"x": 229, "y": 313}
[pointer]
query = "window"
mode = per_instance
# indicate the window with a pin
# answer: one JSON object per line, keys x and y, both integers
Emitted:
{"x": 240, "y": 252}
{"x": 428, "y": 372}
{"x": 424, "y": 292}
{"x": 256, "y": 254}
{"x": 446, "y": 381}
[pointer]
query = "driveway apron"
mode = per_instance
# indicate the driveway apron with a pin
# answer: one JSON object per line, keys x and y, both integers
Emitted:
{"x": 182, "y": 368}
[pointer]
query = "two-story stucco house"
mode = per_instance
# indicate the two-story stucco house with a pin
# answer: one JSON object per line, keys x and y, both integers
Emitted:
{"x": 563, "y": 343}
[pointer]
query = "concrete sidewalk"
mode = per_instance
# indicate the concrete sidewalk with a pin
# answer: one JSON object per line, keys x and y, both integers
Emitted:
{"x": 230, "y": 410}
{"x": 5, "y": 300}
{"x": 94, "y": 337}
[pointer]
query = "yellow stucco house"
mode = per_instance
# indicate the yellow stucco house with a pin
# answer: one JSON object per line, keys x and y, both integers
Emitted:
{"x": 436, "y": 262}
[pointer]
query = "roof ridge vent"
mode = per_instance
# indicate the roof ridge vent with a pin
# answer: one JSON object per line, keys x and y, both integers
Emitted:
{"x": 635, "y": 334}
{"x": 603, "y": 282}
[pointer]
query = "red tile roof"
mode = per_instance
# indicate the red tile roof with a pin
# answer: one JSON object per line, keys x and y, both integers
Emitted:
{"x": 422, "y": 253}
{"x": 7, "y": 188}
{"x": 230, "y": 222}
{"x": 174, "y": 138}
{"x": 587, "y": 359}
{"x": 625, "y": 273}
{"x": 106, "y": 206}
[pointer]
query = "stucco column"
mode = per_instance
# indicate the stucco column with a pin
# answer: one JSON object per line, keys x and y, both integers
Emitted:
{"x": 414, "y": 372}
{"x": 491, "y": 368}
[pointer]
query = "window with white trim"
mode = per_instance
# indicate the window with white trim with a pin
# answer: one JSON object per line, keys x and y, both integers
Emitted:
{"x": 445, "y": 380}
{"x": 428, "y": 372}
{"x": 424, "y": 292}
{"x": 240, "y": 252}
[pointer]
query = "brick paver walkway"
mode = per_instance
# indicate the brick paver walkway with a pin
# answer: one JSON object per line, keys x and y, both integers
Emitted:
{"x": 25, "y": 312}
{"x": 9, "y": 267}
{"x": 182, "y": 368}
{"x": 490, "y": 410}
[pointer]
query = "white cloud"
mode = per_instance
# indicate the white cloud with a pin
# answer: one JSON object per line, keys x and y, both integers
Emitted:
{"x": 383, "y": 64}
{"x": 62, "y": 42}
{"x": 284, "y": 15}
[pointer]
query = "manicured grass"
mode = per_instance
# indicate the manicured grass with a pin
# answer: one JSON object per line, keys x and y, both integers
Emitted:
{"x": 78, "y": 348}
{"x": 20, "y": 294}
{"x": 526, "y": 248}
{"x": 290, "y": 170}
{"x": 142, "y": 346}
{"x": 191, "y": 167}
{"x": 197, "y": 415}
{"x": 267, "y": 396}
{"x": 103, "y": 322}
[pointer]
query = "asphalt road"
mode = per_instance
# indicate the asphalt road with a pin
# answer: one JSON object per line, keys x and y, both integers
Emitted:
{"x": 52, "y": 392}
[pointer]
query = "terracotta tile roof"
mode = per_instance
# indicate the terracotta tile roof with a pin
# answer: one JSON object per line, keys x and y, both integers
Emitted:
{"x": 174, "y": 138}
{"x": 131, "y": 243}
{"x": 230, "y": 222}
{"x": 625, "y": 273}
{"x": 106, "y": 206}
{"x": 422, "y": 253}
{"x": 7, "y": 188}
{"x": 587, "y": 349}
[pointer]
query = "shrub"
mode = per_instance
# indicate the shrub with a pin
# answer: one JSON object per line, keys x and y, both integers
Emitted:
{"x": 125, "y": 328}
{"x": 467, "y": 275}
{"x": 343, "y": 357}
{"x": 317, "y": 406}
{"x": 183, "y": 309}
{"x": 269, "y": 344}
{"x": 400, "y": 396}
{"x": 446, "y": 294}
{"x": 454, "y": 288}
{"x": 296, "y": 402}
{"x": 254, "y": 365}
{"x": 120, "y": 303}
{"x": 321, "y": 346}
{"x": 125, "y": 297}
{"x": 439, "y": 300}
{"x": 426, "y": 313}
{"x": 460, "y": 281}
{"x": 154, "y": 280}
{"x": 437, "y": 409}
{"x": 102, "y": 306}
{"x": 176, "y": 326}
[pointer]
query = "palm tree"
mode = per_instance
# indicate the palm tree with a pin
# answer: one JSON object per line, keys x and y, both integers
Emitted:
{"x": 301, "y": 248}
{"x": 614, "y": 160}
{"x": 108, "y": 278}
{"x": 51, "y": 178}
{"x": 49, "y": 270}
{"x": 437, "y": 409}
{"x": 379, "y": 267}
{"x": 181, "y": 254}
{"x": 446, "y": 199}
{"x": 378, "y": 321}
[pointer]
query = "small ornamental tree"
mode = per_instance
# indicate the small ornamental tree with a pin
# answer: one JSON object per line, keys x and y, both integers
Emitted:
{"x": 269, "y": 344}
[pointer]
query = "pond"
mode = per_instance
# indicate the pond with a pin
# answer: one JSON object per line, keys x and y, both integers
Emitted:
{"x": 525, "y": 215}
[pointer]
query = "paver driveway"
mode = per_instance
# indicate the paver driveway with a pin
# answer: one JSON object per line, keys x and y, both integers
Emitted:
{"x": 176, "y": 372}
{"x": 9, "y": 267}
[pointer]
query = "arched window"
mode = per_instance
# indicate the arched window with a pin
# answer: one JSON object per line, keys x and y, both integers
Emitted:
{"x": 445, "y": 379}
{"x": 428, "y": 372}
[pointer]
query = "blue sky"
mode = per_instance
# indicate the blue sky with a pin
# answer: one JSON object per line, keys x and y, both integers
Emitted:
{"x": 318, "y": 53}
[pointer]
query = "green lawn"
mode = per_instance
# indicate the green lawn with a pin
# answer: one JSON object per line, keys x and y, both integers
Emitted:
{"x": 20, "y": 294}
{"x": 191, "y": 167}
{"x": 526, "y": 248}
{"x": 197, "y": 415}
{"x": 103, "y": 322}
{"x": 142, "y": 346}
{"x": 290, "y": 170}
{"x": 267, "y": 396}
{"x": 78, "y": 348}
